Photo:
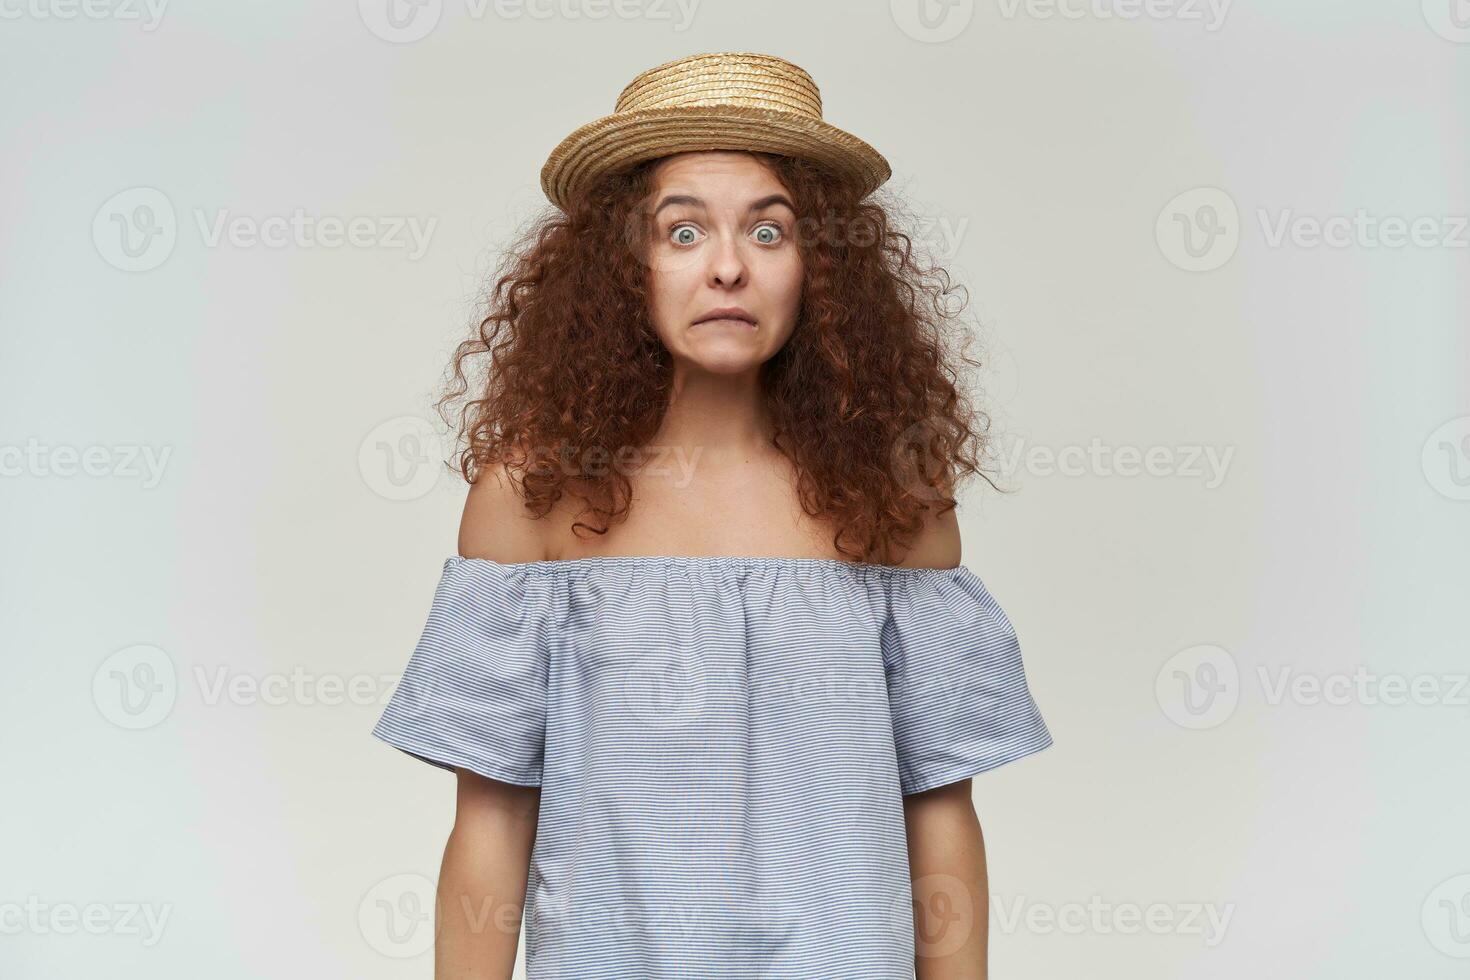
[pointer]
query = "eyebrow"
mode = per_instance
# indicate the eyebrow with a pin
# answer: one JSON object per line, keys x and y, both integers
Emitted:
{"x": 697, "y": 202}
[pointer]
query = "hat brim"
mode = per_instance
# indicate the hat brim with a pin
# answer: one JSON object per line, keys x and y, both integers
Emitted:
{"x": 624, "y": 139}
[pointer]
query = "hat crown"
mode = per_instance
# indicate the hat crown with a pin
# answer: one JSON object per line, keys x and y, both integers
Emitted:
{"x": 745, "y": 79}
{"x": 729, "y": 100}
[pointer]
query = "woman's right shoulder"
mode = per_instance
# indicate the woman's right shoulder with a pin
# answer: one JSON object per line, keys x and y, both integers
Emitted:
{"x": 496, "y": 523}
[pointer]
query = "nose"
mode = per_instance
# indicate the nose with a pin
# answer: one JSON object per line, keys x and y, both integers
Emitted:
{"x": 726, "y": 264}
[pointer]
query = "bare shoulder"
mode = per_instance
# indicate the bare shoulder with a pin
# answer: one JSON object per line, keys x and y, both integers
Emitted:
{"x": 937, "y": 545}
{"x": 495, "y": 523}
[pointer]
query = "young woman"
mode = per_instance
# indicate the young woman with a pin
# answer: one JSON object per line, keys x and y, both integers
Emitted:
{"x": 707, "y": 666}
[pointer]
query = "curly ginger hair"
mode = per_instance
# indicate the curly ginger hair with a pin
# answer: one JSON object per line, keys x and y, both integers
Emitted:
{"x": 570, "y": 374}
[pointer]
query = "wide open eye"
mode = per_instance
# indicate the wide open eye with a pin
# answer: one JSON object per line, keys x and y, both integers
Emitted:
{"x": 683, "y": 234}
{"x": 772, "y": 232}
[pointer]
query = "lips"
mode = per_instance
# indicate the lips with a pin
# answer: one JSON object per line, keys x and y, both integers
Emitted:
{"x": 727, "y": 313}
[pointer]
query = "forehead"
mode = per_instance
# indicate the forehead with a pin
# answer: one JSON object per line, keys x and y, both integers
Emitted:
{"x": 726, "y": 176}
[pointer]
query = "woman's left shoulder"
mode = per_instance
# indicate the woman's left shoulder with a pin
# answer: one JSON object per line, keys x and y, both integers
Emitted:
{"x": 937, "y": 544}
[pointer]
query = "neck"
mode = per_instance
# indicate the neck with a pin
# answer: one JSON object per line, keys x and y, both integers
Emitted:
{"x": 716, "y": 418}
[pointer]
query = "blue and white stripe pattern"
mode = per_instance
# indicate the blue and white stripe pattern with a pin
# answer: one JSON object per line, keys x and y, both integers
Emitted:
{"x": 722, "y": 746}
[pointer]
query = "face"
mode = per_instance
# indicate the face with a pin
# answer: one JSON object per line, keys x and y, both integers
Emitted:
{"x": 724, "y": 236}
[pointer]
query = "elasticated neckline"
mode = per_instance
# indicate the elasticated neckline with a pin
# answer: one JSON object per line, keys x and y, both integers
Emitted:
{"x": 703, "y": 562}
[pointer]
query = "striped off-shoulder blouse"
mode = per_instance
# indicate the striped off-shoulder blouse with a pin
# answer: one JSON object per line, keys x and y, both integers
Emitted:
{"x": 722, "y": 746}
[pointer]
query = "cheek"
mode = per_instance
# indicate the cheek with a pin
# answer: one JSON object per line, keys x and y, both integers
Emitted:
{"x": 787, "y": 281}
{"x": 670, "y": 295}
{"x": 672, "y": 285}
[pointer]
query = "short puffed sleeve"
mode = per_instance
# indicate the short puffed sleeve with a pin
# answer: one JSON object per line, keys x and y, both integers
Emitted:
{"x": 473, "y": 694}
{"x": 957, "y": 690}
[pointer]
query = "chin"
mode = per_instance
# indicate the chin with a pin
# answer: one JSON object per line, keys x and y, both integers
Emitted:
{"x": 734, "y": 363}
{"x": 731, "y": 367}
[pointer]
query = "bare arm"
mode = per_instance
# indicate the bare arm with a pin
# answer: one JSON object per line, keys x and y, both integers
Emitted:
{"x": 483, "y": 877}
{"x": 951, "y": 888}
{"x": 946, "y": 848}
{"x": 482, "y": 880}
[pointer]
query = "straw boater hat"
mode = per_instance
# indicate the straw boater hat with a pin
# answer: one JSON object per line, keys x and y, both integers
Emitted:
{"x": 726, "y": 101}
